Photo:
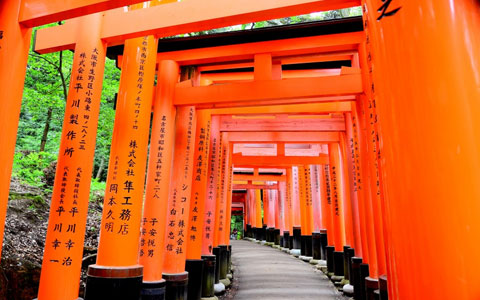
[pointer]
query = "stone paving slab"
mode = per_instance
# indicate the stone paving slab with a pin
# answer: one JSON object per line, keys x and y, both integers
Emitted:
{"x": 267, "y": 273}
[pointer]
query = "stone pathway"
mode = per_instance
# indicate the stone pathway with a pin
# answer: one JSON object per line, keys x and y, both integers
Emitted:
{"x": 267, "y": 273}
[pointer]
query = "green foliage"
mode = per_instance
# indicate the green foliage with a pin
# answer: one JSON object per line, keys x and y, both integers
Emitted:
{"x": 28, "y": 167}
{"x": 237, "y": 223}
{"x": 97, "y": 189}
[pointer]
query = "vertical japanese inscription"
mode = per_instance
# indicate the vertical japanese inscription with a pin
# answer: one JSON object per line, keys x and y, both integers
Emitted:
{"x": 180, "y": 194}
{"x": 78, "y": 136}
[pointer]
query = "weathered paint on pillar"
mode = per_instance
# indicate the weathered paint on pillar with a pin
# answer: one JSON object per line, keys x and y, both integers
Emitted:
{"x": 123, "y": 202}
{"x": 158, "y": 175}
{"x": 62, "y": 257}
{"x": 211, "y": 196}
{"x": 199, "y": 185}
{"x": 14, "y": 46}
{"x": 430, "y": 175}
{"x": 180, "y": 191}
{"x": 337, "y": 205}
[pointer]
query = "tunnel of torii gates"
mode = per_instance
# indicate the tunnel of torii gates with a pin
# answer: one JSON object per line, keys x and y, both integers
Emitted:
{"x": 360, "y": 136}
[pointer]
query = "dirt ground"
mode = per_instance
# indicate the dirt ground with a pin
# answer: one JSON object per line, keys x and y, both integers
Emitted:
{"x": 25, "y": 230}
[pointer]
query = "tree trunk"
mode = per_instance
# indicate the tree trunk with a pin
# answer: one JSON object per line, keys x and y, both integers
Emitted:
{"x": 100, "y": 169}
{"x": 46, "y": 129}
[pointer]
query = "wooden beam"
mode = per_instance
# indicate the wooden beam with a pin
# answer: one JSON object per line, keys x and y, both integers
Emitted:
{"x": 340, "y": 42}
{"x": 248, "y": 76}
{"x": 294, "y": 88}
{"x": 279, "y": 102}
{"x": 40, "y": 12}
{"x": 295, "y": 59}
{"x": 229, "y": 124}
{"x": 183, "y": 17}
{"x": 260, "y": 177}
{"x": 300, "y": 137}
{"x": 265, "y": 161}
{"x": 311, "y": 108}
{"x": 255, "y": 186}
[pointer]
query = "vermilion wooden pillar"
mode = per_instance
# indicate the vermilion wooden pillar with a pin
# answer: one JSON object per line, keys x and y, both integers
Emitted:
{"x": 356, "y": 184}
{"x": 375, "y": 213}
{"x": 122, "y": 210}
{"x": 194, "y": 264}
{"x": 285, "y": 187}
{"x": 338, "y": 219}
{"x": 430, "y": 175}
{"x": 258, "y": 213}
{"x": 210, "y": 209}
{"x": 14, "y": 45}
{"x": 152, "y": 234}
{"x": 350, "y": 237}
{"x": 296, "y": 217}
{"x": 179, "y": 204}
{"x": 279, "y": 214}
{"x": 212, "y": 184}
{"x": 62, "y": 259}
{"x": 316, "y": 198}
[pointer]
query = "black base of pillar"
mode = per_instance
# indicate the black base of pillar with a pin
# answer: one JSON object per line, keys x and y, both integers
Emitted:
{"x": 177, "y": 286}
{"x": 286, "y": 239}
{"x": 355, "y": 277}
{"x": 323, "y": 243}
{"x": 303, "y": 245}
{"x": 208, "y": 276}
{"x": 153, "y": 290}
{"x": 364, "y": 273}
{"x": 216, "y": 252}
{"x": 383, "y": 287}
{"x": 290, "y": 242}
{"x": 114, "y": 283}
{"x": 371, "y": 284}
{"x": 229, "y": 259}
{"x": 223, "y": 261}
{"x": 194, "y": 268}
{"x": 282, "y": 241}
{"x": 276, "y": 236}
{"x": 338, "y": 269}
{"x": 308, "y": 246}
{"x": 248, "y": 231}
{"x": 316, "y": 247}
{"x": 270, "y": 235}
{"x": 347, "y": 259}
{"x": 297, "y": 240}
{"x": 264, "y": 233}
{"x": 330, "y": 260}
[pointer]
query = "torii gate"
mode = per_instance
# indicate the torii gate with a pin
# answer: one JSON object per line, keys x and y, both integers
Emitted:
{"x": 395, "y": 172}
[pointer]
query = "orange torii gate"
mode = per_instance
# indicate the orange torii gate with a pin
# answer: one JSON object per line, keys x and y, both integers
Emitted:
{"x": 394, "y": 171}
